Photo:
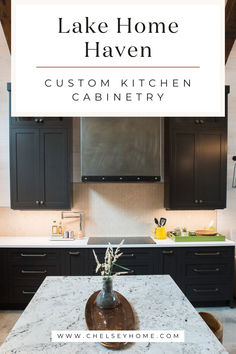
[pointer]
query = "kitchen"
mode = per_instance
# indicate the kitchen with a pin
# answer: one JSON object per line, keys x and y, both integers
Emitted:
{"x": 112, "y": 210}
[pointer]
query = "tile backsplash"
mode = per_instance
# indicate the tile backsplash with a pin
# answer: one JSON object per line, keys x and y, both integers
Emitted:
{"x": 110, "y": 210}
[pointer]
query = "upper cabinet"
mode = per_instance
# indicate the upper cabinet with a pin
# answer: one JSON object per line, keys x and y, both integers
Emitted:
{"x": 195, "y": 163}
{"x": 40, "y": 151}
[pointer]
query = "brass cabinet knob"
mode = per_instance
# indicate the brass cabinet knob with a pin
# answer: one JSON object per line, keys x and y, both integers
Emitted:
{"x": 196, "y": 201}
{"x": 202, "y": 121}
{"x": 197, "y": 121}
{"x": 41, "y": 120}
{"x": 36, "y": 120}
{"x": 41, "y": 202}
{"x": 37, "y": 202}
{"x": 200, "y": 201}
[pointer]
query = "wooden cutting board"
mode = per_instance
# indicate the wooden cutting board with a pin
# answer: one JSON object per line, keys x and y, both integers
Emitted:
{"x": 206, "y": 233}
{"x": 120, "y": 318}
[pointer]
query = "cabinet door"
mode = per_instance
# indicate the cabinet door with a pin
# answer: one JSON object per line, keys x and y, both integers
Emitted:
{"x": 3, "y": 278}
{"x": 211, "y": 169}
{"x": 170, "y": 263}
{"x": 54, "y": 169}
{"x": 74, "y": 261}
{"x": 183, "y": 189}
{"x": 24, "y": 165}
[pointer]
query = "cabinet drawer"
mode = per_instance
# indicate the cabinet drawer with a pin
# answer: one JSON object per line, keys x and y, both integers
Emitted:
{"x": 129, "y": 256}
{"x": 136, "y": 269}
{"x": 26, "y": 272}
{"x": 138, "y": 261}
{"x": 207, "y": 292}
{"x": 207, "y": 270}
{"x": 22, "y": 294}
{"x": 208, "y": 253}
{"x": 33, "y": 256}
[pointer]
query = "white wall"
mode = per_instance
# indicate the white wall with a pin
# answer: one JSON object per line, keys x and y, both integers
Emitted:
{"x": 5, "y": 76}
{"x": 226, "y": 219}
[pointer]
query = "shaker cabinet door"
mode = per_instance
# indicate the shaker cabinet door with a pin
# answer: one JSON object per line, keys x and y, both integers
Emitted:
{"x": 54, "y": 169}
{"x": 24, "y": 163}
{"x": 211, "y": 169}
{"x": 183, "y": 154}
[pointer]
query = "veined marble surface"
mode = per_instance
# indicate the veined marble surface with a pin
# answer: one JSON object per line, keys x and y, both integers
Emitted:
{"x": 39, "y": 242}
{"x": 159, "y": 304}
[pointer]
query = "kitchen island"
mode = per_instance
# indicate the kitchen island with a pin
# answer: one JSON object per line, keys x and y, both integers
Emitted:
{"x": 158, "y": 303}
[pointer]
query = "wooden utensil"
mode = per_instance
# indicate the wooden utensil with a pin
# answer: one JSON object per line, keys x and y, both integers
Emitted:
{"x": 118, "y": 318}
{"x": 206, "y": 233}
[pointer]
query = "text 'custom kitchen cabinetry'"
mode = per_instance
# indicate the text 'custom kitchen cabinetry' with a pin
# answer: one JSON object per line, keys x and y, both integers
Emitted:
{"x": 40, "y": 150}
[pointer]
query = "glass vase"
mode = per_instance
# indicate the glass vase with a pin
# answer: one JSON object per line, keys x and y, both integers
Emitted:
{"x": 107, "y": 298}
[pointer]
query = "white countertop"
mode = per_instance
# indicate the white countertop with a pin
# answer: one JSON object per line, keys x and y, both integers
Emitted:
{"x": 34, "y": 242}
{"x": 158, "y": 303}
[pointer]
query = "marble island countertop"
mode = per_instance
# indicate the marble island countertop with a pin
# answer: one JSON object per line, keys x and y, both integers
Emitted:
{"x": 40, "y": 242}
{"x": 158, "y": 303}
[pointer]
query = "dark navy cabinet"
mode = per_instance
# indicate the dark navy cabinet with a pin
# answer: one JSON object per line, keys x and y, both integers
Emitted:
{"x": 195, "y": 163}
{"x": 195, "y": 159}
{"x": 204, "y": 274}
{"x": 40, "y": 167}
{"x": 40, "y": 162}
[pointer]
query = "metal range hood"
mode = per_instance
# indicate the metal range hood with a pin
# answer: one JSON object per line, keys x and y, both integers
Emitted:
{"x": 121, "y": 149}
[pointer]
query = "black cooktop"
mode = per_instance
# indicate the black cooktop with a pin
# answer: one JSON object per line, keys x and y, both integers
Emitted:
{"x": 117, "y": 240}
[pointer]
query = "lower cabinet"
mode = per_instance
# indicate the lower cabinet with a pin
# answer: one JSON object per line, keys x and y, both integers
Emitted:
{"x": 27, "y": 268}
{"x": 204, "y": 274}
{"x": 207, "y": 274}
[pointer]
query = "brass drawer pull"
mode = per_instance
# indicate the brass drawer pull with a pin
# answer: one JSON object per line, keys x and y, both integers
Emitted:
{"x": 206, "y": 290}
{"x": 206, "y": 270}
{"x": 168, "y": 252}
{"x": 28, "y": 292}
{"x": 128, "y": 255}
{"x": 207, "y": 254}
{"x": 74, "y": 253}
{"x": 33, "y": 255}
{"x": 33, "y": 271}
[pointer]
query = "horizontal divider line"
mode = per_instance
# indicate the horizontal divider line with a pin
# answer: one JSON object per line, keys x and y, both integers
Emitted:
{"x": 118, "y": 67}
